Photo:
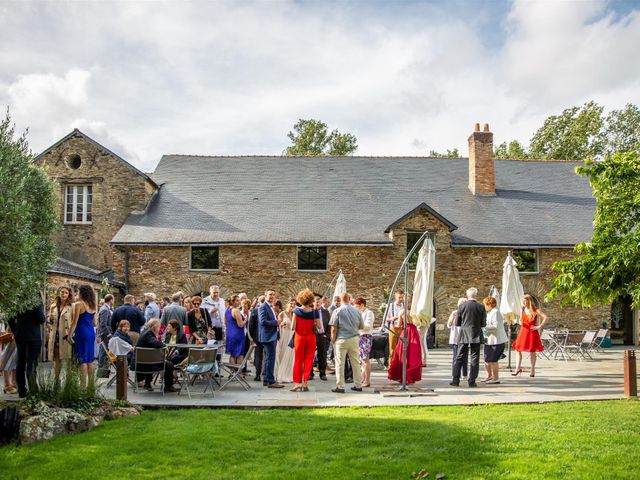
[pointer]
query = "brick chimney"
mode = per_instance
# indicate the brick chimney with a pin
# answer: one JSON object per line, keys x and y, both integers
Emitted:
{"x": 482, "y": 180}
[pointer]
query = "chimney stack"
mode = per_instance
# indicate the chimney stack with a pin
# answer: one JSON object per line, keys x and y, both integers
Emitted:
{"x": 482, "y": 179}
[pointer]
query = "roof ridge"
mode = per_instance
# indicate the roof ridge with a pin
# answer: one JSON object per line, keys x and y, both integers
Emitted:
{"x": 312, "y": 156}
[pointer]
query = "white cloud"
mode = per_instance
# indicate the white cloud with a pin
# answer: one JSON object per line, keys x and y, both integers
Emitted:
{"x": 232, "y": 78}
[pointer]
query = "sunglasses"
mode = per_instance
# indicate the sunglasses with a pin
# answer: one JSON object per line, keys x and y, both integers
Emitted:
{"x": 196, "y": 303}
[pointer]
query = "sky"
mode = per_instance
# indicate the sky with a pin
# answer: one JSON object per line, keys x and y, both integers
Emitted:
{"x": 147, "y": 78}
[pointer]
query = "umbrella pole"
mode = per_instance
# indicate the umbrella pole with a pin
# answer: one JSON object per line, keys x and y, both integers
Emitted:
{"x": 404, "y": 334}
{"x": 509, "y": 346}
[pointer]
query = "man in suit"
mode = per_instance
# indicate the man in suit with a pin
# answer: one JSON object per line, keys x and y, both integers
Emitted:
{"x": 254, "y": 328}
{"x": 268, "y": 336}
{"x": 175, "y": 311}
{"x": 128, "y": 311}
{"x": 472, "y": 318}
{"x": 27, "y": 331}
{"x": 323, "y": 338}
{"x": 104, "y": 334}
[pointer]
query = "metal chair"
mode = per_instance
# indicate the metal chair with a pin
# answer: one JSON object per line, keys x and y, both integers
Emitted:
{"x": 200, "y": 362}
{"x": 597, "y": 342}
{"x": 153, "y": 359}
{"x": 111, "y": 365}
{"x": 235, "y": 371}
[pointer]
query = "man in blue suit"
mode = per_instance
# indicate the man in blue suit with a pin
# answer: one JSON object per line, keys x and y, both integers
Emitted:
{"x": 268, "y": 337}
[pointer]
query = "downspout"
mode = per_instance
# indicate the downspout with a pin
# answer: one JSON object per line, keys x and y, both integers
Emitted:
{"x": 126, "y": 271}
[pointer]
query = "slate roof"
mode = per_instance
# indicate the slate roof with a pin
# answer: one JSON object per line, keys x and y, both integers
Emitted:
{"x": 353, "y": 200}
{"x": 63, "y": 266}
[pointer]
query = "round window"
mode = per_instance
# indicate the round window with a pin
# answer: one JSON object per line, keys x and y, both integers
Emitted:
{"x": 74, "y": 161}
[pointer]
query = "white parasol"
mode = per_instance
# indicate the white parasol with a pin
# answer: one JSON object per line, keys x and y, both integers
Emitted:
{"x": 512, "y": 292}
{"x": 341, "y": 285}
{"x": 495, "y": 293}
{"x": 422, "y": 305}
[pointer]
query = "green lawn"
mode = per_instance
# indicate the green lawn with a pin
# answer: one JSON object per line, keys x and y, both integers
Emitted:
{"x": 561, "y": 440}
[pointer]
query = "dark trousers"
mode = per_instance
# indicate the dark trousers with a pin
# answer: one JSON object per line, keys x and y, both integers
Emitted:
{"x": 247, "y": 342}
{"x": 218, "y": 333}
{"x": 269, "y": 361}
{"x": 27, "y": 363}
{"x": 148, "y": 377}
{"x": 465, "y": 362}
{"x": 474, "y": 357}
{"x": 258, "y": 357}
{"x": 322, "y": 344}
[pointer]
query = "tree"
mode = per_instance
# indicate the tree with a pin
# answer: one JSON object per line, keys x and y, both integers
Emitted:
{"x": 575, "y": 134}
{"x": 311, "y": 137}
{"x": 449, "y": 154}
{"x": 607, "y": 267}
{"x": 621, "y": 132}
{"x": 512, "y": 150}
{"x": 27, "y": 203}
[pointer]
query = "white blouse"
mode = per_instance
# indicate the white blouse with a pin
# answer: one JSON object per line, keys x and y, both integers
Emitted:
{"x": 367, "y": 318}
{"x": 495, "y": 328}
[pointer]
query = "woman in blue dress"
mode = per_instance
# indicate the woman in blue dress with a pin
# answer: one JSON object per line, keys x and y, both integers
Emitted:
{"x": 83, "y": 331}
{"x": 235, "y": 322}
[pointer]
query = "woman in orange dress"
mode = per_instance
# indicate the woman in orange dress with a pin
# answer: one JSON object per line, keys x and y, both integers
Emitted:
{"x": 305, "y": 320}
{"x": 528, "y": 339}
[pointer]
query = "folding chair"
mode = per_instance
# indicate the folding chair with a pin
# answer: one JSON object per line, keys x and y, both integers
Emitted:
{"x": 587, "y": 343}
{"x": 573, "y": 345}
{"x": 200, "y": 362}
{"x": 548, "y": 343}
{"x": 235, "y": 371}
{"x": 597, "y": 342}
{"x": 153, "y": 358}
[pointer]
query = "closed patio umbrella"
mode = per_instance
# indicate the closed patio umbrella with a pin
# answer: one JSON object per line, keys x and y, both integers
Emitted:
{"x": 341, "y": 285}
{"x": 495, "y": 293}
{"x": 422, "y": 305}
{"x": 512, "y": 295}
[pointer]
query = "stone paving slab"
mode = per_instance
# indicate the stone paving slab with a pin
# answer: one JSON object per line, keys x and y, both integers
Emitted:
{"x": 555, "y": 381}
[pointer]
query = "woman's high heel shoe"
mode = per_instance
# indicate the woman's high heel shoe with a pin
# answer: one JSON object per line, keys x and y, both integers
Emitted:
{"x": 517, "y": 372}
{"x": 532, "y": 374}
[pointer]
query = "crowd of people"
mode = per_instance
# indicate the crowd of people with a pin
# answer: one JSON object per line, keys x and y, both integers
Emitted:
{"x": 311, "y": 332}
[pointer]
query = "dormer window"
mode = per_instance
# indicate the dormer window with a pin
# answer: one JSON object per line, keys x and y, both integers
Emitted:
{"x": 77, "y": 204}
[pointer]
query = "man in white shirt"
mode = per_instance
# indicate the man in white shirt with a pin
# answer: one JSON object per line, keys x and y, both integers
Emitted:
{"x": 215, "y": 305}
{"x": 393, "y": 322}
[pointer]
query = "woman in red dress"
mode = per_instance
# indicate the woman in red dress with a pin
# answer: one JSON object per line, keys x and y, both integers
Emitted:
{"x": 414, "y": 351}
{"x": 528, "y": 339}
{"x": 305, "y": 318}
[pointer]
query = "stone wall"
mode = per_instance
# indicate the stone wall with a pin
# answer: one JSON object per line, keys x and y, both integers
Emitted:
{"x": 117, "y": 191}
{"x": 369, "y": 271}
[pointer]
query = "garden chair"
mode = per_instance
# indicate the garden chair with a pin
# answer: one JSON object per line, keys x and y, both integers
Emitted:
{"x": 235, "y": 371}
{"x": 573, "y": 345}
{"x": 111, "y": 364}
{"x": 597, "y": 342}
{"x": 200, "y": 363}
{"x": 152, "y": 361}
{"x": 587, "y": 343}
{"x": 549, "y": 344}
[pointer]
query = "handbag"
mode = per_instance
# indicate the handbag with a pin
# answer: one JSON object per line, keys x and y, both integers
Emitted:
{"x": 291, "y": 342}
{"x": 5, "y": 338}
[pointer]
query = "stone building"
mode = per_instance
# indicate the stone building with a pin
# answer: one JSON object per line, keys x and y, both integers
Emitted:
{"x": 251, "y": 222}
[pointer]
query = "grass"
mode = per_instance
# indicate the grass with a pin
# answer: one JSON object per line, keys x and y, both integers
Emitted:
{"x": 556, "y": 440}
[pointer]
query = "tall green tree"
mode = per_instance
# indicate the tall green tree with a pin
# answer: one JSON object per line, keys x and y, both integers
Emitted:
{"x": 621, "y": 131}
{"x": 606, "y": 267}
{"x": 448, "y": 154}
{"x": 27, "y": 220}
{"x": 513, "y": 149}
{"x": 312, "y": 137}
{"x": 575, "y": 134}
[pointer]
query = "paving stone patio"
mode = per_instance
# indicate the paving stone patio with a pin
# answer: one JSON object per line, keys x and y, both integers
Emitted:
{"x": 556, "y": 380}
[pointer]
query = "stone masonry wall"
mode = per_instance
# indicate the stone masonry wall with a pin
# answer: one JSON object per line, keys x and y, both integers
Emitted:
{"x": 369, "y": 271}
{"x": 117, "y": 191}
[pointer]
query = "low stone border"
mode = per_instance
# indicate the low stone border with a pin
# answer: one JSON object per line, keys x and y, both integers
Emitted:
{"x": 44, "y": 422}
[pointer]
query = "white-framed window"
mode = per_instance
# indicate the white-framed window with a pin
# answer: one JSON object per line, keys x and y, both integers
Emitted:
{"x": 312, "y": 259}
{"x": 205, "y": 258}
{"x": 77, "y": 204}
{"x": 527, "y": 260}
